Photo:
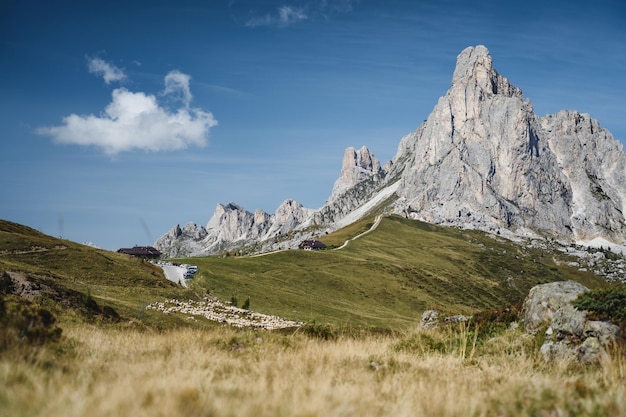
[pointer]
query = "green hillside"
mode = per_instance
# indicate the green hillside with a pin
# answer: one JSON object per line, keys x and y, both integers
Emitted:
{"x": 384, "y": 279}
{"x": 78, "y": 281}
{"x": 387, "y": 278}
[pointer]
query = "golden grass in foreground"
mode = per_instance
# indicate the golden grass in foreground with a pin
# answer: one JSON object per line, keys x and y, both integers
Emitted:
{"x": 224, "y": 372}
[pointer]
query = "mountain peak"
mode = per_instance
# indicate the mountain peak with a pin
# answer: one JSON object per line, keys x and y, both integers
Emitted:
{"x": 357, "y": 165}
{"x": 474, "y": 68}
{"x": 482, "y": 159}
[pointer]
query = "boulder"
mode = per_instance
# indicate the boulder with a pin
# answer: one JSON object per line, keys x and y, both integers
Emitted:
{"x": 569, "y": 335}
{"x": 544, "y": 300}
{"x": 606, "y": 333}
{"x": 430, "y": 319}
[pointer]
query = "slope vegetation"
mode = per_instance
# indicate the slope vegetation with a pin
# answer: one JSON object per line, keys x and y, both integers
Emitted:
{"x": 388, "y": 277}
{"x": 72, "y": 279}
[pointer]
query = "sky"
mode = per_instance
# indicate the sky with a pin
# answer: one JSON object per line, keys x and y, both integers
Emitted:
{"x": 121, "y": 119}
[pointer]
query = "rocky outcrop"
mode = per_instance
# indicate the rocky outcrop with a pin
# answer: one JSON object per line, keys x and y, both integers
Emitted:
{"x": 569, "y": 334}
{"x": 356, "y": 167}
{"x": 431, "y": 319}
{"x": 181, "y": 242}
{"x": 289, "y": 215}
{"x": 595, "y": 166}
{"x": 232, "y": 227}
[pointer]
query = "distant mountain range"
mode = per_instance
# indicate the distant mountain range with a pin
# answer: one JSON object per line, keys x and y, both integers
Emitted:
{"x": 483, "y": 159}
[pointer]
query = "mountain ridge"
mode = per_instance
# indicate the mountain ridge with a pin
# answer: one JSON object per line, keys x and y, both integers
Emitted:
{"x": 482, "y": 159}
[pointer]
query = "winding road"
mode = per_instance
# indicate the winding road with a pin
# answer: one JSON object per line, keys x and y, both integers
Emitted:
{"x": 175, "y": 274}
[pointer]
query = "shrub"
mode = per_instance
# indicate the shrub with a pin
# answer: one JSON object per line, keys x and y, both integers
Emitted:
{"x": 604, "y": 304}
{"x": 320, "y": 331}
{"x": 494, "y": 322}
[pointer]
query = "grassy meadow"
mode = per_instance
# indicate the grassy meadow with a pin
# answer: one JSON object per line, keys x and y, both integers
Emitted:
{"x": 226, "y": 372}
{"x": 77, "y": 340}
{"x": 387, "y": 278}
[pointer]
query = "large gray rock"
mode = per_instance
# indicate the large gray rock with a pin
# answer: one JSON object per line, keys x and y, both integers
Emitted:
{"x": 544, "y": 301}
{"x": 569, "y": 335}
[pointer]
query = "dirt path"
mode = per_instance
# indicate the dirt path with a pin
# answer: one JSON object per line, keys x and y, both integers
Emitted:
{"x": 374, "y": 226}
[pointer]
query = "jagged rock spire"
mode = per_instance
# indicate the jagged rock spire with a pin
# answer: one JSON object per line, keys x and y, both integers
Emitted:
{"x": 474, "y": 69}
{"x": 357, "y": 166}
{"x": 484, "y": 159}
{"x": 481, "y": 157}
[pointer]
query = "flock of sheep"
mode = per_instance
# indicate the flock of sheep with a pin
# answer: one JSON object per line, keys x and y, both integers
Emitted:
{"x": 213, "y": 309}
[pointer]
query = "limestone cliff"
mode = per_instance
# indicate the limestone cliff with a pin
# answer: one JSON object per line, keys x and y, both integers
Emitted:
{"x": 482, "y": 159}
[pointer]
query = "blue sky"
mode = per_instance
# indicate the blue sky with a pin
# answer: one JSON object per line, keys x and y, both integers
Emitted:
{"x": 121, "y": 119}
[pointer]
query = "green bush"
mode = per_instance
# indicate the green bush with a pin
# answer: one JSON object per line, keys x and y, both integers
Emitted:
{"x": 604, "y": 304}
{"x": 320, "y": 331}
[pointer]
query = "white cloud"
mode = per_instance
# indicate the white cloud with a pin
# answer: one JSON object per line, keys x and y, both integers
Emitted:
{"x": 177, "y": 84}
{"x": 108, "y": 71}
{"x": 289, "y": 15}
{"x": 135, "y": 120}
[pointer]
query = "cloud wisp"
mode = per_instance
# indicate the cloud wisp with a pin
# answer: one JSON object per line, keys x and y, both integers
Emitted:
{"x": 177, "y": 85}
{"x": 109, "y": 72}
{"x": 284, "y": 16}
{"x": 288, "y": 15}
{"x": 136, "y": 120}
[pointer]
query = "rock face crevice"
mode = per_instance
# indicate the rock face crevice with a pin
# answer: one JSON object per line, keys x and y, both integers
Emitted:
{"x": 482, "y": 159}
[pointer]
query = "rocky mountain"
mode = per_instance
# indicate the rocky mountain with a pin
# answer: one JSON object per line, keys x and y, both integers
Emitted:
{"x": 232, "y": 227}
{"x": 483, "y": 159}
{"x": 357, "y": 166}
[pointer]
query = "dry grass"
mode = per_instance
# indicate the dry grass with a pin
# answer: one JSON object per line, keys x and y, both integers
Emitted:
{"x": 225, "y": 372}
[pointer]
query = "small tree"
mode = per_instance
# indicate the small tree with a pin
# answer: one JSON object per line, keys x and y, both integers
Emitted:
{"x": 246, "y": 304}
{"x": 233, "y": 301}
